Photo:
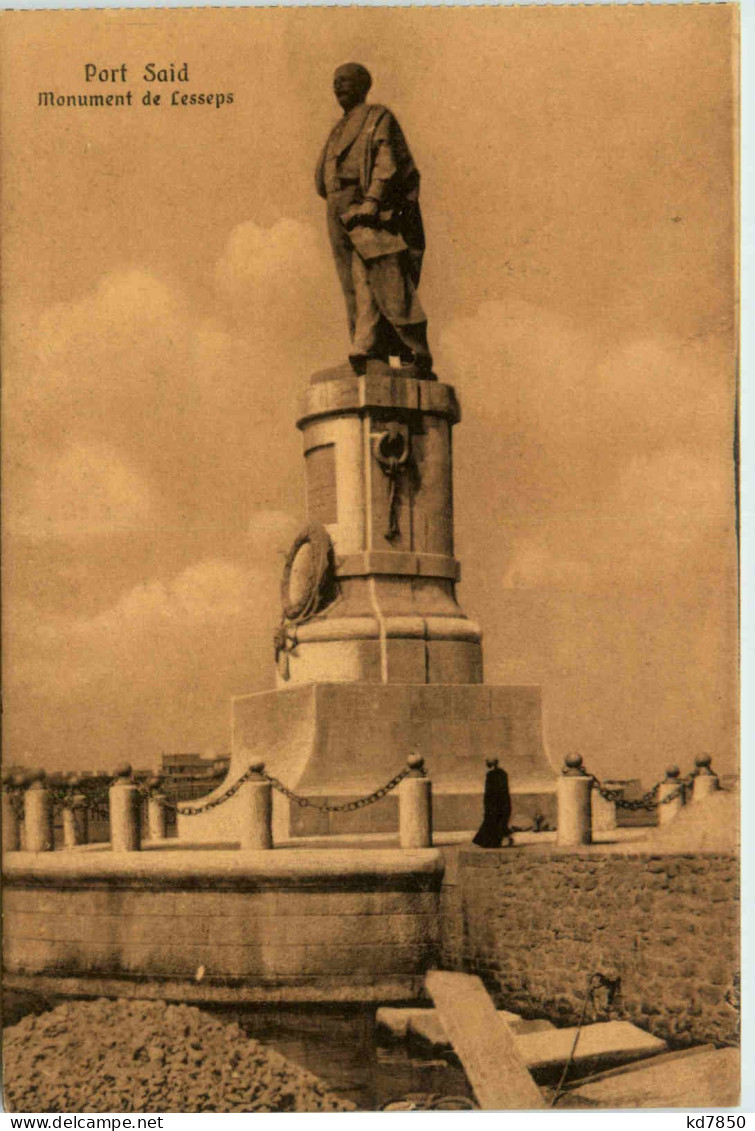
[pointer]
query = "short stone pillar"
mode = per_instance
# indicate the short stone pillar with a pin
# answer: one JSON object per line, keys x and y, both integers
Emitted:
{"x": 70, "y": 832}
{"x": 38, "y": 820}
{"x": 125, "y": 813}
{"x": 80, "y": 817}
{"x": 415, "y": 806}
{"x": 11, "y": 829}
{"x": 157, "y": 815}
{"x": 256, "y": 831}
{"x": 603, "y": 812}
{"x": 574, "y": 804}
{"x": 671, "y": 786}
{"x": 706, "y": 781}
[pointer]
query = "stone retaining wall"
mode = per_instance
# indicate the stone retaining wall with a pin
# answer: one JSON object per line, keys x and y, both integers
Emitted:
{"x": 534, "y": 924}
{"x": 332, "y": 922}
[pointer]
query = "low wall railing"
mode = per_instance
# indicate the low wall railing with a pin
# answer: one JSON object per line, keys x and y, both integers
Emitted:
{"x": 30, "y": 804}
{"x": 586, "y": 806}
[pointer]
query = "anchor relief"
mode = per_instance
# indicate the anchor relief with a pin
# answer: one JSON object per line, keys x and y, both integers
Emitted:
{"x": 391, "y": 449}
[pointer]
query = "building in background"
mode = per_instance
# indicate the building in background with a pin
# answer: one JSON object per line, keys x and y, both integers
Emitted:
{"x": 186, "y": 776}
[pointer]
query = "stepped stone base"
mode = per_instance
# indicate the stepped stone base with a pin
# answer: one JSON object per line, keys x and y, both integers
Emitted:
{"x": 336, "y": 742}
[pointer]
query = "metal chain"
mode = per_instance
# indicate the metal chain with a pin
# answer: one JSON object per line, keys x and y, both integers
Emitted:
{"x": 15, "y": 796}
{"x": 303, "y": 802}
{"x": 195, "y": 810}
{"x": 348, "y": 806}
{"x": 648, "y": 801}
{"x": 97, "y": 797}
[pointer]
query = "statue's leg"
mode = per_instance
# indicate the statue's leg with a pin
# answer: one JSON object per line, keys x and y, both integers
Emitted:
{"x": 414, "y": 340}
{"x": 364, "y": 337}
{"x": 342, "y": 256}
{"x": 396, "y": 295}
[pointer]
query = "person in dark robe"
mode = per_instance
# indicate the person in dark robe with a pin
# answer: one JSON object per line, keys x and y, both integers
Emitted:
{"x": 497, "y": 808}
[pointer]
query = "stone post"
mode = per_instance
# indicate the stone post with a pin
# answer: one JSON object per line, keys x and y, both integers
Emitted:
{"x": 256, "y": 833}
{"x": 706, "y": 782}
{"x": 11, "y": 830}
{"x": 603, "y": 812}
{"x": 574, "y": 804}
{"x": 157, "y": 816}
{"x": 670, "y": 785}
{"x": 70, "y": 832}
{"x": 125, "y": 813}
{"x": 39, "y": 833}
{"x": 81, "y": 818}
{"x": 415, "y": 801}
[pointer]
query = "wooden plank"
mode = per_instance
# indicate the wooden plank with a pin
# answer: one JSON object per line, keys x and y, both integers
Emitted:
{"x": 486, "y": 1048}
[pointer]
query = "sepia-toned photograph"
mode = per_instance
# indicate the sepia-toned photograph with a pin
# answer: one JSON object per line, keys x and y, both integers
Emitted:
{"x": 370, "y": 559}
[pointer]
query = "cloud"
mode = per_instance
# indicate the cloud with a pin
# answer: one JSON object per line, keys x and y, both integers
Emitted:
{"x": 87, "y": 489}
{"x": 605, "y": 461}
{"x": 273, "y": 266}
{"x": 154, "y": 671}
{"x": 131, "y": 370}
{"x": 270, "y": 533}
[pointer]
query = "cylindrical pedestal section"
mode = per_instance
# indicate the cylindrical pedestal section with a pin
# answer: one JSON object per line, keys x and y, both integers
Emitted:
{"x": 256, "y": 828}
{"x": 603, "y": 812}
{"x": 11, "y": 831}
{"x": 415, "y": 825}
{"x": 670, "y": 787}
{"x": 125, "y": 816}
{"x": 70, "y": 828}
{"x": 39, "y": 834}
{"x": 574, "y": 804}
{"x": 157, "y": 816}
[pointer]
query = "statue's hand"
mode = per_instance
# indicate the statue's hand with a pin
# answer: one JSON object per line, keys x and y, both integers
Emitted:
{"x": 368, "y": 210}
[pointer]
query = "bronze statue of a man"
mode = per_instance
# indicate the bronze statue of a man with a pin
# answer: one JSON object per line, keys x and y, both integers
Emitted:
{"x": 371, "y": 184}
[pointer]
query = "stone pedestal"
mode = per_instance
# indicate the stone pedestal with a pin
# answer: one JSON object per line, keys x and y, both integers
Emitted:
{"x": 603, "y": 812}
{"x": 415, "y": 822}
{"x": 255, "y": 803}
{"x": 396, "y": 619}
{"x": 125, "y": 816}
{"x": 39, "y": 834}
{"x": 336, "y": 742}
{"x": 381, "y": 661}
{"x": 704, "y": 786}
{"x": 574, "y": 805}
{"x": 671, "y": 786}
{"x": 10, "y": 825}
{"x": 157, "y": 817}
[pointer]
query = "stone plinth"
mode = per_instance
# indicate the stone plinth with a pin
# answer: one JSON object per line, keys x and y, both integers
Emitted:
{"x": 335, "y": 742}
{"x": 287, "y": 925}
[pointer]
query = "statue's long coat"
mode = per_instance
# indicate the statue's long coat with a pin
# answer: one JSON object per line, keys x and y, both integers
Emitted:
{"x": 368, "y": 143}
{"x": 366, "y": 155}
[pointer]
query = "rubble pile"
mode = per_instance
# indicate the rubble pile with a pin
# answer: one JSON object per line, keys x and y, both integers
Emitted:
{"x": 121, "y": 1056}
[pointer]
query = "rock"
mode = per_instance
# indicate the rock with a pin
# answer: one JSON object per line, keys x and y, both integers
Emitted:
{"x": 487, "y": 1049}
{"x": 607, "y": 1042}
{"x": 709, "y": 1078}
{"x": 127, "y": 1044}
{"x": 423, "y": 1026}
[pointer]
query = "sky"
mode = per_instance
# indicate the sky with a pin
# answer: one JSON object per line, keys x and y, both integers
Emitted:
{"x": 168, "y": 289}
